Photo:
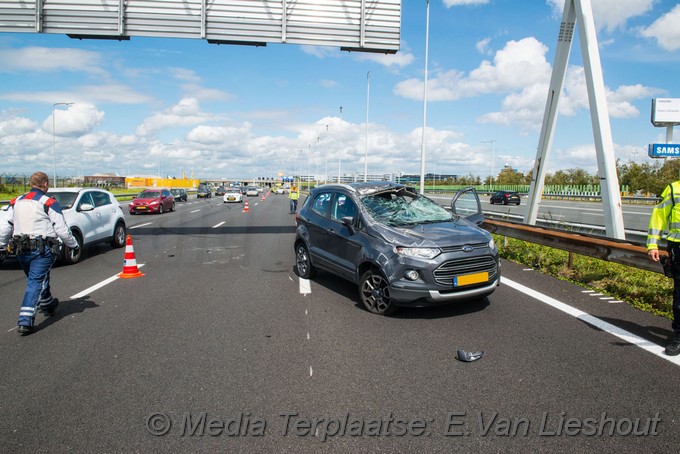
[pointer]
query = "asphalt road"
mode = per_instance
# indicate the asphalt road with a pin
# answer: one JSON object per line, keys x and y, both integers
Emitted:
{"x": 220, "y": 347}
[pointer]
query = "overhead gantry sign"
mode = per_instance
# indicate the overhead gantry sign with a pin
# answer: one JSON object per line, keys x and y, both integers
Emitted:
{"x": 353, "y": 25}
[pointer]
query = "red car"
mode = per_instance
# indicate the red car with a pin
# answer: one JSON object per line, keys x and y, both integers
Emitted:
{"x": 152, "y": 201}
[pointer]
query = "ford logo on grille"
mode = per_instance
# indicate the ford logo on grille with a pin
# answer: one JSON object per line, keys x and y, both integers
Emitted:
{"x": 467, "y": 248}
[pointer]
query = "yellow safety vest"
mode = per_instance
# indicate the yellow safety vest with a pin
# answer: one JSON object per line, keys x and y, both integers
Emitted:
{"x": 294, "y": 195}
{"x": 665, "y": 216}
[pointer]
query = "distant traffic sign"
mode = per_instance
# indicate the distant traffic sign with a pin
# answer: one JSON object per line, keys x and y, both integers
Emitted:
{"x": 663, "y": 150}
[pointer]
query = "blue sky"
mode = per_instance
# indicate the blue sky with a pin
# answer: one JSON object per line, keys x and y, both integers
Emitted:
{"x": 183, "y": 105}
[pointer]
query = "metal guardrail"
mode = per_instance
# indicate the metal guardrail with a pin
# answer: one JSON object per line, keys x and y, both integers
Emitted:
{"x": 612, "y": 250}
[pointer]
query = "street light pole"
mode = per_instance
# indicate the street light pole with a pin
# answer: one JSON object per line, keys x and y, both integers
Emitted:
{"x": 493, "y": 157}
{"x": 368, "y": 92}
{"x": 54, "y": 141}
{"x": 339, "y": 150}
{"x": 422, "y": 144}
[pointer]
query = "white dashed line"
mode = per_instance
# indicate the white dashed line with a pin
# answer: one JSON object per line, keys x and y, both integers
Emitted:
{"x": 194, "y": 211}
{"x": 305, "y": 286}
{"x": 217, "y": 225}
{"x": 140, "y": 225}
{"x": 99, "y": 285}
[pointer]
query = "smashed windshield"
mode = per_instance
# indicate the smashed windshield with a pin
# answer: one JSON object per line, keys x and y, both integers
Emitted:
{"x": 402, "y": 207}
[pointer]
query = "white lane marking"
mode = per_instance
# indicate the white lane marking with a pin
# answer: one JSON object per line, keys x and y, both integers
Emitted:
{"x": 217, "y": 225}
{"x": 194, "y": 211}
{"x": 10, "y": 330}
{"x": 594, "y": 321}
{"x": 305, "y": 286}
{"x": 311, "y": 372}
{"x": 89, "y": 290}
{"x": 139, "y": 225}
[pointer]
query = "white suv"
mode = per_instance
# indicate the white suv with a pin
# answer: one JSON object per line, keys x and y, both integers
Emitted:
{"x": 94, "y": 216}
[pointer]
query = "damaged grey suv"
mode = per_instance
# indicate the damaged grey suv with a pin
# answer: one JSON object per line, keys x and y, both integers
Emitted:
{"x": 400, "y": 247}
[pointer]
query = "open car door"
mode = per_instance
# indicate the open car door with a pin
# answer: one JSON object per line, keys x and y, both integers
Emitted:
{"x": 466, "y": 204}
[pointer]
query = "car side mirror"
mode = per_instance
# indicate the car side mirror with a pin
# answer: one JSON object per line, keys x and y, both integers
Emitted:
{"x": 85, "y": 207}
{"x": 348, "y": 221}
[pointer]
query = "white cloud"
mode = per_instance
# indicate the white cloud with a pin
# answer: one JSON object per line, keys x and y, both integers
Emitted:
{"x": 520, "y": 70}
{"x": 15, "y": 125}
{"x": 399, "y": 60}
{"x": 213, "y": 135}
{"x": 666, "y": 30}
{"x": 185, "y": 113}
{"x": 44, "y": 59}
{"x": 482, "y": 46}
{"x": 518, "y": 64}
{"x": 610, "y": 14}
{"x": 75, "y": 120}
{"x": 112, "y": 93}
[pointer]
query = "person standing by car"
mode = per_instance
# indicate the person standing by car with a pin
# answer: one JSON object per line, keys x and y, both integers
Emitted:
{"x": 666, "y": 217}
{"x": 36, "y": 221}
{"x": 293, "y": 195}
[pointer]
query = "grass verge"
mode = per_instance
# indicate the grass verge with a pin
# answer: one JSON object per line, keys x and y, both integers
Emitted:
{"x": 644, "y": 290}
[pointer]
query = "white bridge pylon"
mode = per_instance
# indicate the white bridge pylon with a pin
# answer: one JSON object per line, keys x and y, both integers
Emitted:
{"x": 581, "y": 11}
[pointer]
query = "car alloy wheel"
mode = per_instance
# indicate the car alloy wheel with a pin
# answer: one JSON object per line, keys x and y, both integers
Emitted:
{"x": 303, "y": 263}
{"x": 374, "y": 291}
{"x": 71, "y": 257}
{"x": 118, "y": 240}
{"x": 160, "y": 209}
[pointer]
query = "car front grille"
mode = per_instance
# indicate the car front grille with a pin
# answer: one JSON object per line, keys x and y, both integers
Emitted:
{"x": 445, "y": 272}
{"x": 459, "y": 248}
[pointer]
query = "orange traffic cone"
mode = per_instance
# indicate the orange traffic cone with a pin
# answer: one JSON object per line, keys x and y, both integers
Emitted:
{"x": 246, "y": 209}
{"x": 262, "y": 198}
{"x": 129, "y": 262}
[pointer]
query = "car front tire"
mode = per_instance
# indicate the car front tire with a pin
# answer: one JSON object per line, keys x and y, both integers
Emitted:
{"x": 118, "y": 240}
{"x": 374, "y": 291}
{"x": 70, "y": 257}
{"x": 303, "y": 262}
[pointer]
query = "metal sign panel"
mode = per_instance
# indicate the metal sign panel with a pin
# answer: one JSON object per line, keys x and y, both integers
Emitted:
{"x": 665, "y": 111}
{"x": 357, "y": 25}
{"x": 663, "y": 150}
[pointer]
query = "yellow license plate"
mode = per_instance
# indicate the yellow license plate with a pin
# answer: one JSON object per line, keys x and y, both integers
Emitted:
{"x": 141, "y": 208}
{"x": 476, "y": 278}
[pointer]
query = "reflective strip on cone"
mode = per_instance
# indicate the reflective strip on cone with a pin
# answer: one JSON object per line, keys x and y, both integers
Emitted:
{"x": 130, "y": 268}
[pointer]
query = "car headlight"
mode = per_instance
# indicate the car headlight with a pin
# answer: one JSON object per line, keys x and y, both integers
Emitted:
{"x": 418, "y": 252}
{"x": 492, "y": 245}
{"x": 155, "y": 202}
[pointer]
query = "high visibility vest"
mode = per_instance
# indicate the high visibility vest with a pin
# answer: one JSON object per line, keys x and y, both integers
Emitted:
{"x": 665, "y": 216}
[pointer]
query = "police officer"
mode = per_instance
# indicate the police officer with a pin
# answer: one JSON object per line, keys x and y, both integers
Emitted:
{"x": 37, "y": 221}
{"x": 293, "y": 195}
{"x": 666, "y": 216}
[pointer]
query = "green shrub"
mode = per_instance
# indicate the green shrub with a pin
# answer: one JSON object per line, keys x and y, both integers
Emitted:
{"x": 645, "y": 290}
